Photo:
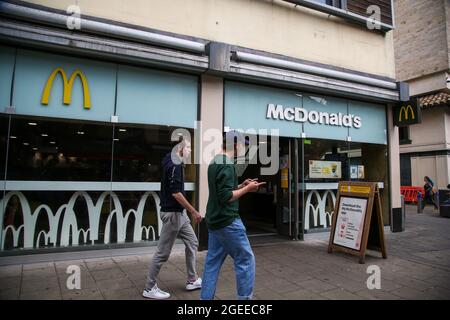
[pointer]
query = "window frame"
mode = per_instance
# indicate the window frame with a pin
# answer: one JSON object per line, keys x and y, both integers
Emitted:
{"x": 342, "y": 11}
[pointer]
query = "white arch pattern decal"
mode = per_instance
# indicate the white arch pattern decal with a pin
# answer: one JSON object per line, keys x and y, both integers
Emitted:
{"x": 319, "y": 211}
{"x": 69, "y": 221}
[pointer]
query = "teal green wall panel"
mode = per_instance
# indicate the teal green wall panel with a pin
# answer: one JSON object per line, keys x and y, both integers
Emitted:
{"x": 373, "y": 117}
{"x": 329, "y": 105}
{"x": 246, "y": 108}
{"x": 156, "y": 97}
{"x": 34, "y": 68}
{"x": 317, "y": 116}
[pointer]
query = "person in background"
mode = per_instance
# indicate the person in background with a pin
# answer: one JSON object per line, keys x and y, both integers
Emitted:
{"x": 175, "y": 221}
{"x": 447, "y": 202}
{"x": 429, "y": 192}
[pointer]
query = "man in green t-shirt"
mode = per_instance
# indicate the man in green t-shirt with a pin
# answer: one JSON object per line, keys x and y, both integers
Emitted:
{"x": 226, "y": 233}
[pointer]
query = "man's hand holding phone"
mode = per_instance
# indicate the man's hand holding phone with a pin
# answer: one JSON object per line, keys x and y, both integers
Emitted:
{"x": 254, "y": 185}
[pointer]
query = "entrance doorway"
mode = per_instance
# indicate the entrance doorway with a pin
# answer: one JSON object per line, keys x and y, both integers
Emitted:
{"x": 300, "y": 196}
{"x": 273, "y": 210}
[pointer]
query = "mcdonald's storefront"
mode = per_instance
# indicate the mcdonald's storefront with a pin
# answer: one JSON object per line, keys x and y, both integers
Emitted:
{"x": 83, "y": 140}
{"x": 81, "y": 149}
{"x": 322, "y": 140}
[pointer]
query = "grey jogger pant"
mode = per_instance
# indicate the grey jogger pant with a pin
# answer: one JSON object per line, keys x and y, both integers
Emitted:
{"x": 175, "y": 224}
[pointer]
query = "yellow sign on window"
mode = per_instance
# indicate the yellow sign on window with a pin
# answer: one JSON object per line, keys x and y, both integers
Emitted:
{"x": 355, "y": 189}
{"x": 285, "y": 178}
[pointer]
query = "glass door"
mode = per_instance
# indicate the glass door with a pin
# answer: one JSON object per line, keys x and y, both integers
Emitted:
{"x": 287, "y": 190}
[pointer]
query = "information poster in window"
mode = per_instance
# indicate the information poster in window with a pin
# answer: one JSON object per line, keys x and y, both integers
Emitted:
{"x": 361, "y": 174}
{"x": 325, "y": 169}
{"x": 353, "y": 172}
{"x": 350, "y": 222}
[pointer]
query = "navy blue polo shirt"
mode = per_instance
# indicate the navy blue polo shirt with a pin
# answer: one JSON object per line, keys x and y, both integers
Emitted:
{"x": 172, "y": 181}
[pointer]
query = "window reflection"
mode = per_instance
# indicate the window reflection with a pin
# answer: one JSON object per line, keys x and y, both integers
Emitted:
{"x": 374, "y": 161}
{"x": 4, "y": 122}
{"x": 65, "y": 185}
{"x": 320, "y": 156}
{"x": 59, "y": 150}
{"x": 138, "y": 152}
{"x": 326, "y": 162}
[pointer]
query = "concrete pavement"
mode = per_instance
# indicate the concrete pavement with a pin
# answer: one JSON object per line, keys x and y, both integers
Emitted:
{"x": 418, "y": 267}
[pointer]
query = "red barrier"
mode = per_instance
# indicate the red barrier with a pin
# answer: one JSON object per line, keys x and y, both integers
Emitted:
{"x": 411, "y": 193}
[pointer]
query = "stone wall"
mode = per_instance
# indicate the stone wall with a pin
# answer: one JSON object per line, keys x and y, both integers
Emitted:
{"x": 421, "y": 37}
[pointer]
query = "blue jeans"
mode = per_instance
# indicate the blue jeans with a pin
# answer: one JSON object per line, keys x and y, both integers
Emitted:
{"x": 230, "y": 240}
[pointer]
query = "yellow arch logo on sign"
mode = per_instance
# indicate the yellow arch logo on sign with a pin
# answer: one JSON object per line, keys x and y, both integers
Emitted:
{"x": 67, "y": 87}
{"x": 405, "y": 110}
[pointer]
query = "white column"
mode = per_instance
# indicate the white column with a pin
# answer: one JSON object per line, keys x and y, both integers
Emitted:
{"x": 211, "y": 116}
{"x": 394, "y": 161}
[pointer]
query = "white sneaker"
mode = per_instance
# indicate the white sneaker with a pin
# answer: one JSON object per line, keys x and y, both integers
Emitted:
{"x": 155, "y": 293}
{"x": 197, "y": 284}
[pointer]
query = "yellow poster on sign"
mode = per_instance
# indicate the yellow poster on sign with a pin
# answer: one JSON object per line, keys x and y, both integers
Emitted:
{"x": 285, "y": 178}
{"x": 355, "y": 189}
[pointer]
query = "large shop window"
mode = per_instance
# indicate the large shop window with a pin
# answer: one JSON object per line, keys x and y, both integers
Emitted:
{"x": 325, "y": 163}
{"x": 137, "y": 174}
{"x": 4, "y": 125}
{"x": 84, "y": 141}
{"x": 71, "y": 183}
{"x": 46, "y": 151}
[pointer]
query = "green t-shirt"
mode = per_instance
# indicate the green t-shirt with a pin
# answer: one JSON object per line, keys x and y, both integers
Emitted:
{"x": 222, "y": 181}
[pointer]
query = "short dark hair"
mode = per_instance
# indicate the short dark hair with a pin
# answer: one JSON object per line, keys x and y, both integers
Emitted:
{"x": 231, "y": 138}
{"x": 227, "y": 144}
{"x": 181, "y": 141}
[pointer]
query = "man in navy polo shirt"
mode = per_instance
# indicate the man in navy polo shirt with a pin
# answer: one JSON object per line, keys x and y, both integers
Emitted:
{"x": 176, "y": 223}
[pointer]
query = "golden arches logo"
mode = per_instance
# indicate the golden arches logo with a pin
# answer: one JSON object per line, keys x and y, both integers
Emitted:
{"x": 67, "y": 87}
{"x": 405, "y": 110}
